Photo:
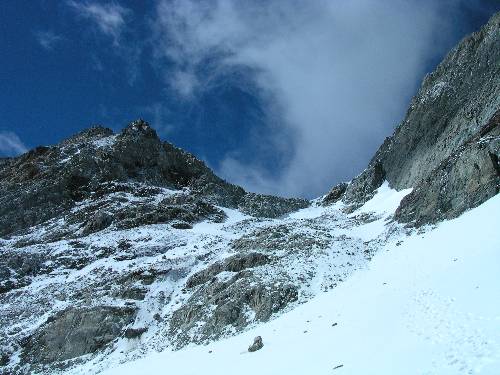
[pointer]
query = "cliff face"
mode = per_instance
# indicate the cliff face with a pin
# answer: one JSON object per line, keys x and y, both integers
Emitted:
{"x": 456, "y": 107}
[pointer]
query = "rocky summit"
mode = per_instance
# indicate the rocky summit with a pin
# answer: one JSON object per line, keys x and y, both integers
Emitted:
{"x": 115, "y": 245}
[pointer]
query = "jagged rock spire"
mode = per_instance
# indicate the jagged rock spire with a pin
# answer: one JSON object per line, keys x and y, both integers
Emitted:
{"x": 140, "y": 127}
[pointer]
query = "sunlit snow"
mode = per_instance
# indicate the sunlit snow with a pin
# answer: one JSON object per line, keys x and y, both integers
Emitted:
{"x": 428, "y": 306}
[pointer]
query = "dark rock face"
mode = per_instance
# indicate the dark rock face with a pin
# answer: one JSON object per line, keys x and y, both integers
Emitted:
{"x": 181, "y": 210}
{"x": 17, "y": 269}
{"x": 454, "y": 105}
{"x": 335, "y": 194}
{"x": 75, "y": 332}
{"x": 464, "y": 180}
{"x": 49, "y": 181}
{"x": 363, "y": 187}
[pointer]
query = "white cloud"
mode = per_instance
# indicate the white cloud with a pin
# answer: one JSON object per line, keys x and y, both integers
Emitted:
{"x": 253, "y": 178}
{"x": 185, "y": 83}
{"x": 341, "y": 73}
{"x": 48, "y": 39}
{"x": 11, "y": 144}
{"x": 110, "y": 18}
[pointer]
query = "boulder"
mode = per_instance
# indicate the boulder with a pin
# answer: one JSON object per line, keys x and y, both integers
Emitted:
{"x": 181, "y": 225}
{"x": 257, "y": 344}
{"x": 133, "y": 333}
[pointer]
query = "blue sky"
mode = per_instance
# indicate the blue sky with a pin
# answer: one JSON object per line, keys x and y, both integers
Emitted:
{"x": 284, "y": 97}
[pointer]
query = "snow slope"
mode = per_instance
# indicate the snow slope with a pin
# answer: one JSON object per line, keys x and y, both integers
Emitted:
{"x": 428, "y": 305}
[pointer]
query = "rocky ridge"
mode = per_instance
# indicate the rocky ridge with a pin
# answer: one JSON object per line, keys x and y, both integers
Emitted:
{"x": 50, "y": 181}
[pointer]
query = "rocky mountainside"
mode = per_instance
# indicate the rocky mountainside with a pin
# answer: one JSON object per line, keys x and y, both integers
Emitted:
{"x": 120, "y": 239}
{"x": 447, "y": 146}
{"x": 50, "y": 181}
{"x": 115, "y": 245}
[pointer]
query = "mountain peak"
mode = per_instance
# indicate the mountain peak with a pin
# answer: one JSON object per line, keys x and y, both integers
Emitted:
{"x": 139, "y": 127}
{"x": 51, "y": 181}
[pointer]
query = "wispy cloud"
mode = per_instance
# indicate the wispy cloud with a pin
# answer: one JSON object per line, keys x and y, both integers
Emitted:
{"x": 11, "y": 144}
{"x": 110, "y": 18}
{"x": 184, "y": 82}
{"x": 340, "y": 72}
{"x": 48, "y": 39}
{"x": 335, "y": 77}
{"x": 113, "y": 22}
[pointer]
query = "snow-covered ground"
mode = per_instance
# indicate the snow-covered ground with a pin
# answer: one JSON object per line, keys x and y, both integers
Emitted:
{"x": 429, "y": 304}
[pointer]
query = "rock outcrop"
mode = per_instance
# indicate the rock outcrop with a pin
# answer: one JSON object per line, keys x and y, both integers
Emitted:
{"x": 75, "y": 332}
{"x": 335, "y": 194}
{"x": 464, "y": 180}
